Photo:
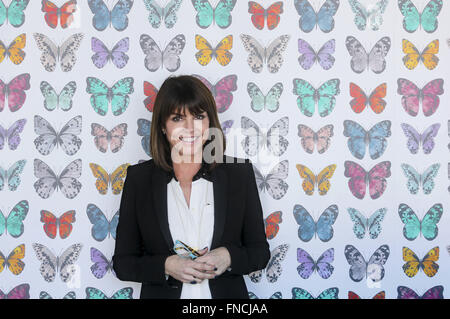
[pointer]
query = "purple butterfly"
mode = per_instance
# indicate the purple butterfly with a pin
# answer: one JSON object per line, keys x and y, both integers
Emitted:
{"x": 324, "y": 56}
{"x": 101, "y": 264}
{"x": 415, "y": 139}
{"x": 308, "y": 265}
{"x": 11, "y": 135}
{"x": 116, "y": 55}
{"x": 226, "y": 126}
{"x": 432, "y": 293}
{"x": 19, "y": 292}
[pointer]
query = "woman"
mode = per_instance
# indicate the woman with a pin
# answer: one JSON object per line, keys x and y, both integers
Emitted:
{"x": 190, "y": 192}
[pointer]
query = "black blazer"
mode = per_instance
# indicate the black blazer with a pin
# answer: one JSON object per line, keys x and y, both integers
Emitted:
{"x": 143, "y": 240}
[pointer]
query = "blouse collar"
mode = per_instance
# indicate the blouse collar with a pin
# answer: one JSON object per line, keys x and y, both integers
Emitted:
{"x": 201, "y": 173}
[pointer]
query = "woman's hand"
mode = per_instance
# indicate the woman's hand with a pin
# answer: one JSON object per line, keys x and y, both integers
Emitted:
{"x": 219, "y": 259}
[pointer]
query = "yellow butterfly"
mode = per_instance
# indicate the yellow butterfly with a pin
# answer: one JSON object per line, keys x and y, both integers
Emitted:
{"x": 428, "y": 57}
{"x": 14, "y": 51}
{"x": 206, "y": 52}
{"x": 413, "y": 263}
{"x": 14, "y": 262}
{"x": 311, "y": 180}
{"x": 115, "y": 179}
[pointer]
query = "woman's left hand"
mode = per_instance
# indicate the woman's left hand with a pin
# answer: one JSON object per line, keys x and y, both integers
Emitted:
{"x": 219, "y": 258}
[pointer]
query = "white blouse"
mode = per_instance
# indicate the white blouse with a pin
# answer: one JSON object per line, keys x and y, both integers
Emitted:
{"x": 192, "y": 225}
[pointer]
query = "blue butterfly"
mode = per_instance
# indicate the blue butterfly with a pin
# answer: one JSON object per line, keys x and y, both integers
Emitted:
{"x": 117, "y": 17}
{"x": 363, "y": 224}
{"x": 143, "y": 130}
{"x": 359, "y": 138}
{"x": 102, "y": 227}
{"x": 309, "y": 18}
{"x": 308, "y": 227}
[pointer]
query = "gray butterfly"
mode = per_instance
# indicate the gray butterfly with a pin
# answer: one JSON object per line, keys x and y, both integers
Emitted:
{"x": 373, "y": 269}
{"x": 374, "y": 60}
{"x": 273, "y": 269}
{"x": 64, "y": 54}
{"x": 51, "y": 264}
{"x": 46, "y": 295}
{"x": 66, "y": 138}
{"x": 48, "y": 181}
{"x": 169, "y": 58}
{"x": 274, "y": 181}
{"x": 273, "y": 139}
{"x": 272, "y": 55}
{"x": 372, "y": 13}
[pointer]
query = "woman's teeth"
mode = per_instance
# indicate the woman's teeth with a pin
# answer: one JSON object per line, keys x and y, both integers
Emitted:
{"x": 188, "y": 139}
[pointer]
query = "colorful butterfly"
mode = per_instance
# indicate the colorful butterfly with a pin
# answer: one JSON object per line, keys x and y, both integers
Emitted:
{"x": 310, "y": 138}
{"x": 14, "y": 92}
{"x": 359, "y": 138}
{"x": 373, "y": 13}
{"x": 270, "y": 101}
{"x": 360, "y": 269}
{"x": 14, "y": 260}
{"x": 311, "y": 181}
{"x": 12, "y": 134}
{"x": 427, "y": 56}
{"x": 117, "y": 54}
{"x": 259, "y": 14}
{"x": 417, "y": 140}
{"x": 66, "y": 138}
{"x": 360, "y": 179}
{"x": 415, "y": 180}
{"x": 413, "y": 19}
{"x": 12, "y": 175}
{"x": 308, "y": 228}
{"x": 169, "y": 58}
{"x": 113, "y": 138}
{"x": 272, "y": 224}
{"x": 19, "y": 292}
{"x": 53, "y": 12}
{"x": 46, "y": 295}
{"x": 101, "y": 226}
{"x": 117, "y": 17}
{"x": 157, "y": 13}
{"x": 94, "y": 293}
{"x": 324, "y": 56}
{"x": 14, "y": 50}
{"x": 52, "y": 223}
{"x": 375, "y": 100}
{"x": 206, "y": 52}
{"x": 276, "y": 295}
{"x": 64, "y": 54}
{"x": 374, "y": 60}
{"x": 300, "y": 293}
{"x": 427, "y": 226}
{"x": 435, "y": 292}
{"x": 13, "y": 224}
{"x": 270, "y": 55}
{"x": 206, "y": 14}
{"x": 274, "y": 181}
{"x": 322, "y": 19}
{"x": 115, "y": 179}
{"x": 222, "y": 90}
{"x": 308, "y": 264}
{"x": 273, "y": 270}
{"x": 354, "y": 295}
{"x": 150, "y": 91}
{"x": 427, "y": 264}
{"x": 117, "y": 95}
{"x": 428, "y": 95}
{"x": 144, "y": 129}
{"x": 324, "y": 96}
{"x": 362, "y": 224}
{"x": 14, "y": 13}
{"x": 63, "y": 100}
{"x": 101, "y": 264}
{"x": 67, "y": 181}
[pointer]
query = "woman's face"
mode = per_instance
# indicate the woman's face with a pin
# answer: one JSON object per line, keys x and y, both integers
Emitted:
{"x": 186, "y": 132}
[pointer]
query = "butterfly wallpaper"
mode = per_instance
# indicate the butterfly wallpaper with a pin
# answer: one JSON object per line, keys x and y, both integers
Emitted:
{"x": 341, "y": 105}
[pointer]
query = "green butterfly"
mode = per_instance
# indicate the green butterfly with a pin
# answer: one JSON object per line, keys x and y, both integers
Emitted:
{"x": 13, "y": 223}
{"x": 206, "y": 14}
{"x": 63, "y": 100}
{"x": 330, "y": 293}
{"x": 261, "y": 101}
{"x": 413, "y": 19}
{"x": 102, "y": 95}
{"x": 324, "y": 96}
{"x": 124, "y": 293}
{"x": 14, "y": 13}
{"x": 413, "y": 226}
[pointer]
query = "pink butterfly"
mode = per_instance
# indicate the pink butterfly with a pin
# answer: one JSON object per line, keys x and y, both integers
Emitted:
{"x": 412, "y": 96}
{"x": 19, "y": 292}
{"x": 14, "y": 91}
{"x": 359, "y": 178}
{"x": 309, "y": 138}
{"x": 221, "y": 90}
{"x": 103, "y": 137}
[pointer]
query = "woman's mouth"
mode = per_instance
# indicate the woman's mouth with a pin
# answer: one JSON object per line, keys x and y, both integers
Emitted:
{"x": 189, "y": 140}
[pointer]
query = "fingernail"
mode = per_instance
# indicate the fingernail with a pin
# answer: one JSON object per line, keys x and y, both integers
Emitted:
{"x": 193, "y": 282}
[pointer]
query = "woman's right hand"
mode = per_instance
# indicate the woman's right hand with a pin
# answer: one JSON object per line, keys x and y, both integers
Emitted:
{"x": 187, "y": 270}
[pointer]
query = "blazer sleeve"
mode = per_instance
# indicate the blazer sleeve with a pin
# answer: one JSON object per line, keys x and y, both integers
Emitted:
{"x": 129, "y": 261}
{"x": 254, "y": 253}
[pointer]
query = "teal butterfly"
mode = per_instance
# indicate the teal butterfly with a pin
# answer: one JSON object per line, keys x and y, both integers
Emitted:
{"x": 46, "y": 295}
{"x": 206, "y": 14}
{"x": 14, "y": 13}
{"x": 13, "y": 223}
{"x": 102, "y": 95}
{"x": 413, "y": 19}
{"x": 12, "y": 175}
{"x": 413, "y": 226}
{"x": 324, "y": 96}
{"x": 330, "y": 293}
{"x": 415, "y": 180}
{"x": 158, "y": 13}
{"x": 94, "y": 293}
{"x": 63, "y": 100}
{"x": 363, "y": 224}
{"x": 270, "y": 101}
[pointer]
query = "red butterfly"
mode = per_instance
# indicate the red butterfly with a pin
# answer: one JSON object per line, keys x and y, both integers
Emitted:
{"x": 271, "y": 224}
{"x": 150, "y": 92}
{"x": 259, "y": 13}
{"x": 380, "y": 295}
{"x": 52, "y": 12}
{"x": 51, "y": 223}
{"x": 375, "y": 100}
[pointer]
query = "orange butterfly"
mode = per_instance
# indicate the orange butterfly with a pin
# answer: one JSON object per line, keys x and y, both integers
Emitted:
{"x": 115, "y": 179}
{"x": 413, "y": 263}
{"x": 220, "y": 52}
{"x": 14, "y": 262}
{"x": 271, "y": 224}
{"x": 51, "y": 223}
{"x": 14, "y": 50}
{"x": 375, "y": 100}
{"x": 259, "y": 13}
{"x": 311, "y": 180}
{"x": 427, "y": 56}
{"x": 65, "y": 13}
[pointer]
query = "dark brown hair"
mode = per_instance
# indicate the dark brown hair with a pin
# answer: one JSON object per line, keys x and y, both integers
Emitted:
{"x": 176, "y": 94}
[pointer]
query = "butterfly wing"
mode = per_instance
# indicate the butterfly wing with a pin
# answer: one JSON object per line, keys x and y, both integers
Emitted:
{"x": 117, "y": 177}
{"x": 254, "y": 139}
{"x": 276, "y": 186}
{"x": 150, "y": 91}
{"x": 67, "y": 51}
{"x": 258, "y": 14}
{"x": 171, "y": 54}
{"x": 99, "y": 95}
{"x": 414, "y": 178}
{"x": 271, "y": 224}
{"x": 377, "y": 138}
{"x": 375, "y": 14}
{"x": 273, "y": 269}
{"x": 360, "y": 58}
{"x": 256, "y": 52}
{"x": 412, "y": 265}
{"x": 430, "y": 96}
{"x": 324, "y": 56}
{"x": 361, "y": 14}
{"x": 98, "y": 220}
{"x": 113, "y": 224}
{"x": 323, "y": 179}
{"x": 412, "y": 57}
{"x": 50, "y": 223}
{"x": 101, "y": 55}
{"x": 68, "y": 139}
{"x": 222, "y": 50}
{"x": 101, "y": 137}
{"x": 15, "y": 91}
{"x": 306, "y": 100}
{"x": 156, "y": 13}
{"x": 68, "y": 179}
{"x": 274, "y": 53}
{"x": 102, "y": 16}
{"x": 13, "y": 134}
{"x": 412, "y": 223}
{"x": 324, "y": 267}
{"x": 65, "y": 223}
{"x": 308, "y": 56}
{"x": 222, "y": 94}
{"x": 428, "y": 138}
{"x": 117, "y": 136}
{"x": 222, "y": 13}
{"x": 406, "y": 293}
{"x": 327, "y": 96}
{"x": 430, "y": 220}
{"x": 414, "y": 138}
{"x": 103, "y": 178}
{"x": 359, "y": 101}
{"x": 325, "y": 16}
{"x": 300, "y": 293}
{"x": 357, "y": 181}
{"x": 47, "y": 138}
{"x": 124, "y": 293}
{"x": 375, "y": 269}
{"x": 429, "y": 265}
{"x": 308, "y": 17}
{"x": 14, "y": 260}
{"x": 307, "y": 264}
{"x": 15, "y": 52}
{"x": 411, "y": 16}
{"x": 308, "y": 138}
{"x": 377, "y": 179}
{"x": 144, "y": 128}
{"x": 47, "y": 180}
{"x": 374, "y": 222}
{"x": 118, "y": 55}
{"x": 377, "y": 55}
{"x": 13, "y": 174}
{"x": 153, "y": 54}
{"x": 357, "y": 138}
{"x": 101, "y": 263}
{"x": 67, "y": 260}
{"x": 377, "y": 103}
{"x": 258, "y": 99}
{"x": 119, "y": 18}
{"x": 325, "y": 222}
{"x": 48, "y": 261}
{"x": 276, "y": 140}
{"x": 309, "y": 179}
{"x": 49, "y": 50}
{"x": 205, "y": 13}
{"x": 360, "y": 222}
{"x": 307, "y": 225}
{"x": 120, "y": 95}
{"x": 429, "y": 15}
{"x": 410, "y": 96}
{"x": 94, "y": 293}
{"x": 67, "y": 11}
{"x": 428, "y": 178}
{"x": 358, "y": 265}
{"x": 435, "y": 292}
{"x": 429, "y": 57}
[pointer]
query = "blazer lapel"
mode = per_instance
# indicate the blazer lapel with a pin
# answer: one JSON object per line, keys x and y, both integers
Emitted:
{"x": 220, "y": 183}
